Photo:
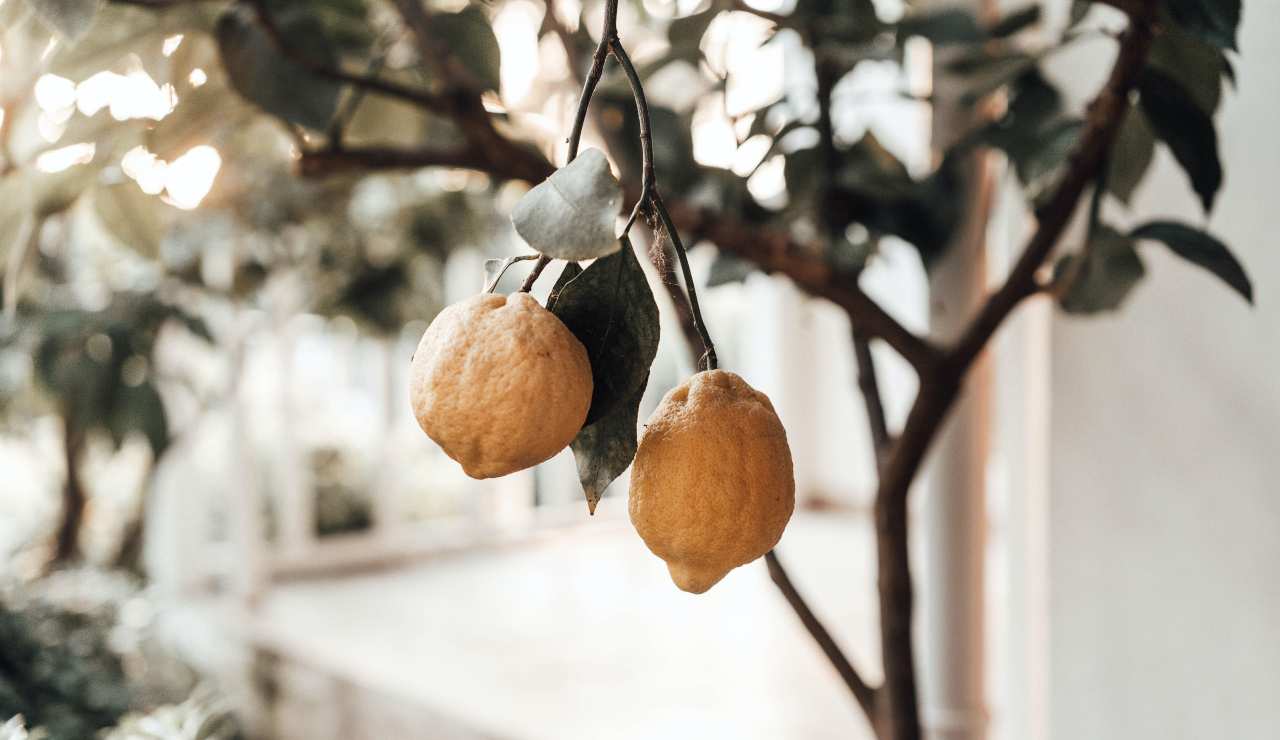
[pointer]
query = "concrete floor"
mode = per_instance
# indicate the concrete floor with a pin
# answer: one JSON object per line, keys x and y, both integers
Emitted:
{"x": 580, "y": 637}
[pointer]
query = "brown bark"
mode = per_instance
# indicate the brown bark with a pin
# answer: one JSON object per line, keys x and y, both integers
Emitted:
{"x": 67, "y": 541}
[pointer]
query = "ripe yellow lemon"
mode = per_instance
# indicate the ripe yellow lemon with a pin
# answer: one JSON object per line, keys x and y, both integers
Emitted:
{"x": 712, "y": 485}
{"x": 499, "y": 383}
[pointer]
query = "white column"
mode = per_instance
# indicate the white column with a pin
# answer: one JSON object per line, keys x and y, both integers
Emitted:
{"x": 951, "y": 528}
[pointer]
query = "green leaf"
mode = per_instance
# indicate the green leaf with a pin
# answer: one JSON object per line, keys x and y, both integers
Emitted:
{"x": 571, "y": 214}
{"x": 1214, "y": 21}
{"x": 1196, "y": 65}
{"x": 571, "y": 270}
{"x": 685, "y": 34}
{"x": 1131, "y": 155}
{"x": 727, "y": 268}
{"x": 70, "y": 19}
{"x": 984, "y": 72}
{"x": 1199, "y": 248}
{"x": 942, "y": 26}
{"x": 260, "y": 72}
{"x": 1015, "y": 21}
{"x": 135, "y": 219}
{"x": 1102, "y": 277}
{"x": 140, "y": 409}
{"x": 611, "y": 310}
{"x": 605, "y": 447}
{"x": 472, "y": 42}
{"x": 1186, "y": 129}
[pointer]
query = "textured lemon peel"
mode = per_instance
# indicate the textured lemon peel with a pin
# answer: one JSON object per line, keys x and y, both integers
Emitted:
{"x": 712, "y": 487}
{"x": 499, "y": 383}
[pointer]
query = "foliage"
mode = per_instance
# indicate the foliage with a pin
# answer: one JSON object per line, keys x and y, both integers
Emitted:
{"x": 77, "y": 657}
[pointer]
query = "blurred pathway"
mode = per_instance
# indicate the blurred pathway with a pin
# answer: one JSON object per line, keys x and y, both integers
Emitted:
{"x": 583, "y": 637}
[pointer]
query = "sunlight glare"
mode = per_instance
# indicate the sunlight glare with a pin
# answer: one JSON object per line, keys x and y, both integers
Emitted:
{"x": 769, "y": 184}
{"x": 134, "y": 95}
{"x": 51, "y": 127}
{"x": 189, "y": 178}
{"x": 54, "y": 93}
{"x": 145, "y": 168}
{"x": 57, "y": 160}
{"x": 171, "y": 44}
{"x": 735, "y": 41}
{"x": 197, "y": 77}
{"x": 750, "y": 154}
{"x": 516, "y": 28}
{"x": 714, "y": 144}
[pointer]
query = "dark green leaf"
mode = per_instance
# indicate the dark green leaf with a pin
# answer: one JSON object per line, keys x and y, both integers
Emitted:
{"x": 1214, "y": 21}
{"x": 685, "y": 34}
{"x": 1015, "y": 22}
{"x": 1131, "y": 155}
{"x": 571, "y": 270}
{"x": 984, "y": 72}
{"x": 605, "y": 447}
{"x": 70, "y": 19}
{"x": 1199, "y": 248}
{"x": 1102, "y": 277}
{"x": 1186, "y": 129}
{"x": 1079, "y": 9}
{"x": 472, "y": 42}
{"x": 942, "y": 26}
{"x": 1196, "y": 65}
{"x": 274, "y": 82}
{"x": 726, "y": 268}
{"x": 1034, "y": 133}
{"x": 571, "y": 214}
{"x": 611, "y": 310}
{"x": 139, "y": 409}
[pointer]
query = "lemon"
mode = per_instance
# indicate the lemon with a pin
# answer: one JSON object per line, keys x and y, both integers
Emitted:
{"x": 499, "y": 383}
{"x": 712, "y": 485}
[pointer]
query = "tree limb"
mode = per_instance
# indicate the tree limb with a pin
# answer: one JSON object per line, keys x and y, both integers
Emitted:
{"x": 862, "y": 691}
{"x": 938, "y": 390}
{"x": 869, "y": 386}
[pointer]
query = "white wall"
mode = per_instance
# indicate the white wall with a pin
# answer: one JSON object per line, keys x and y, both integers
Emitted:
{"x": 1165, "y": 503}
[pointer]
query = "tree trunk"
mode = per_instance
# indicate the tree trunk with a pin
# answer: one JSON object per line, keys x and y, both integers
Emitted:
{"x": 67, "y": 543}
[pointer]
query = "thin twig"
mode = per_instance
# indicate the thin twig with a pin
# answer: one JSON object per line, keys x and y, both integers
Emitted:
{"x": 863, "y": 692}
{"x": 607, "y": 36}
{"x": 502, "y": 270}
{"x": 647, "y": 176}
{"x": 869, "y": 385}
{"x": 708, "y": 360}
{"x": 535, "y": 273}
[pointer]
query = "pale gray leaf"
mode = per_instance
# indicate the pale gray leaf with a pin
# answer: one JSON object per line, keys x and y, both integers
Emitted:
{"x": 571, "y": 214}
